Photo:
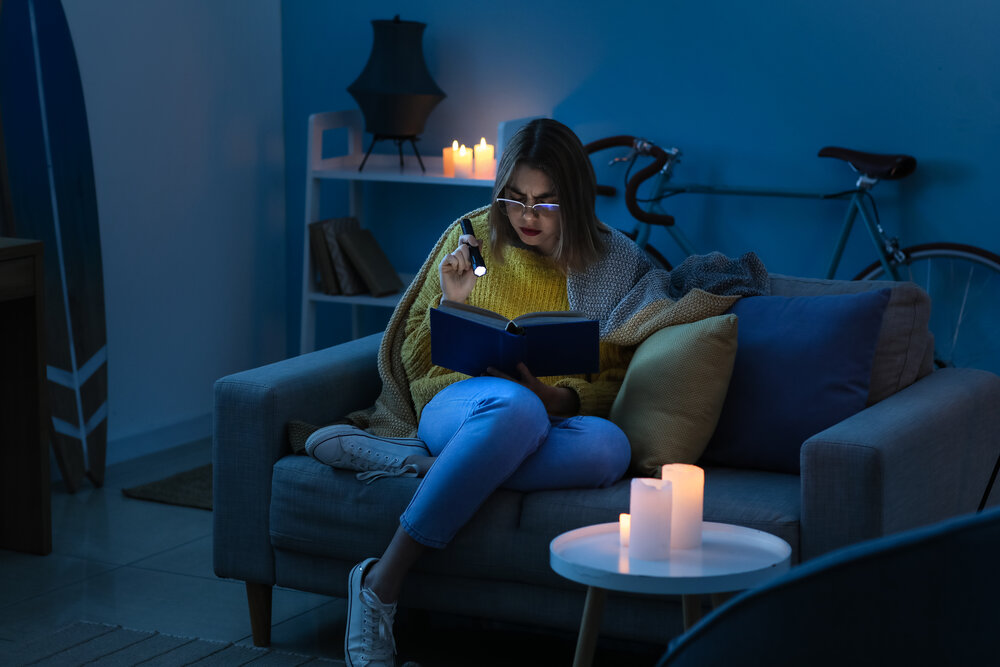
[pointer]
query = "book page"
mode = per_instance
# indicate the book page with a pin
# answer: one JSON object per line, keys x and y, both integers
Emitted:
{"x": 474, "y": 313}
{"x": 498, "y": 321}
{"x": 550, "y": 317}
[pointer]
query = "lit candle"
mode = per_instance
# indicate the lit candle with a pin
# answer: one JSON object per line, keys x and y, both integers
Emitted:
{"x": 485, "y": 166}
{"x": 463, "y": 162}
{"x": 688, "y": 499}
{"x": 649, "y": 509}
{"x": 448, "y": 155}
{"x": 624, "y": 524}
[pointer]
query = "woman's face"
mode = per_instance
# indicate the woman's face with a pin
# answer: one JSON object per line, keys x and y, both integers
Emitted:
{"x": 540, "y": 230}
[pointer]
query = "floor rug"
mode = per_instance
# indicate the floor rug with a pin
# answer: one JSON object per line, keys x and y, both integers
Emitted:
{"x": 84, "y": 642}
{"x": 191, "y": 488}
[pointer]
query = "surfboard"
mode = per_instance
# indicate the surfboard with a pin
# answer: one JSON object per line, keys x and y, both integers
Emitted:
{"x": 53, "y": 199}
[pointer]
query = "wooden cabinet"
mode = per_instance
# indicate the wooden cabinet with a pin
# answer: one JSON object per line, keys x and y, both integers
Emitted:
{"x": 25, "y": 500}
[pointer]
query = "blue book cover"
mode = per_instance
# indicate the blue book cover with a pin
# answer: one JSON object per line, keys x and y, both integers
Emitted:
{"x": 469, "y": 339}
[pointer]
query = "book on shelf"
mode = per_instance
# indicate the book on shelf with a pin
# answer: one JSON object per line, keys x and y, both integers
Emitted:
{"x": 326, "y": 278}
{"x": 348, "y": 278}
{"x": 367, "y": 256}
{"x": 468, "y": 339}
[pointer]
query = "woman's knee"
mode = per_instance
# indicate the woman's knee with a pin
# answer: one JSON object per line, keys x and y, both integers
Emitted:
{"x": 492, "y": 393}
{"x": 518, "y": 413}
{"x": 609, "y": 449}
{"x": 484, "y": 409}
{"x": 496, "y": 398}
{"x": 514, "y": 402}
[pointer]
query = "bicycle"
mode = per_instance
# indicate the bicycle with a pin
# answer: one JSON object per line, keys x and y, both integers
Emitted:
{"x": 962, "y": 280}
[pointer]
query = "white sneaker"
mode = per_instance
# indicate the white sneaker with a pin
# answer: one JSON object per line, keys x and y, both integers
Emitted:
{"x": 351, "y": 448}
{"x": 368, "y": 641}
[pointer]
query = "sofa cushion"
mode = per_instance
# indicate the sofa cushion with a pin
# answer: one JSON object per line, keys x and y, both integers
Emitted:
{"x": 905, "y": 349}
{"x": 326, "y": 512}
{"x": 803, "y": 364}
{"x": 673, "y": 392}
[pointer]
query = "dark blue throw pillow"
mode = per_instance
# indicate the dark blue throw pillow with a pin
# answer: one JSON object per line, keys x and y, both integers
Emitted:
{"x": 802, "y": 365}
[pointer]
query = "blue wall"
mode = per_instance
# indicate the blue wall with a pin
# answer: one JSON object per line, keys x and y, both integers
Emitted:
{"x": 749, "y": 92}
{"x": 184, "y": 107}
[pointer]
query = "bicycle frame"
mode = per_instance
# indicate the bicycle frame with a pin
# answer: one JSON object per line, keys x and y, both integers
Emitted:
{"x": 883, "y": 246}
{"x": 886, "y": 248}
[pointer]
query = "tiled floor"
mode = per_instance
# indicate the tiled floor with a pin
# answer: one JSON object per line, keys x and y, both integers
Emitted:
{"x": 148, "y": 566}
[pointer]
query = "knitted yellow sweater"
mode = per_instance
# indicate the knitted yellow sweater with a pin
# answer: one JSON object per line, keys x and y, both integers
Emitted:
{"x": 524, "y": 282}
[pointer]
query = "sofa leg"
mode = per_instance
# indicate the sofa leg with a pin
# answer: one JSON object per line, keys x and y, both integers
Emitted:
{"x": 259, "y": 601}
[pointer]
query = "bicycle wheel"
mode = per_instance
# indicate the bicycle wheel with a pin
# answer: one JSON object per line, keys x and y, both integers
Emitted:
{"x": 964, "y": 285}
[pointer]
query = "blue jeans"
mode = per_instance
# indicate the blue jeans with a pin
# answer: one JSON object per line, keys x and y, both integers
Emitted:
{"x": 489, "y": 433}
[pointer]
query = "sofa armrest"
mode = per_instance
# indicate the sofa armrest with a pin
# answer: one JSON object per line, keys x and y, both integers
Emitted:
{"x": 923, "y": 454}
{"x": 252, "y": 409}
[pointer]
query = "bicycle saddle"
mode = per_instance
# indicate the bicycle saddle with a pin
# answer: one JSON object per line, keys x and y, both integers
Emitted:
{"x": 874, "y": 165}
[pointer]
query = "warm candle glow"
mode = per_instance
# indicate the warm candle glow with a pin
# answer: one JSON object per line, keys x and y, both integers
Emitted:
{"x": 448, "y": 157}
{"x": 649, "y": 509}
{"x": 624, "y": 525}
{"x": 463, "y": 162}
{"x": 688, "y": 499}
{"x": 485, "y": 164}
{"x": 623, "y": 567}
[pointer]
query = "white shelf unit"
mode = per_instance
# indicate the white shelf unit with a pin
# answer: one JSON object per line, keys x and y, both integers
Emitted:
{"x": 379, "y": 167}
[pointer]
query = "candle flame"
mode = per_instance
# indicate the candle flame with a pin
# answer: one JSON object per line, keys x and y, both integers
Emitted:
{"x": 461, "y": 151}
{"x": 454, "y": 145}
{"x": 482, "y": 142}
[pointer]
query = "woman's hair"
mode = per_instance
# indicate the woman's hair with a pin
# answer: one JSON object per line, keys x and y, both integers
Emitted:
{"x": 552, "y": 148}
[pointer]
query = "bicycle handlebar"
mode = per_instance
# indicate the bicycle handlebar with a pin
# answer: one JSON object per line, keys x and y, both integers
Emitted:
{"x": 871, "y": 166}
{"x": 642, "y": 147}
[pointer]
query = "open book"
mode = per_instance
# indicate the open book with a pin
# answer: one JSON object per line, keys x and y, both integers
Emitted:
{"x": 469, "y": 339}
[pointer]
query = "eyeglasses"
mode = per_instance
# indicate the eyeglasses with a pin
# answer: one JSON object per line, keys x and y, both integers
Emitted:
{"x": 514, "y": 207}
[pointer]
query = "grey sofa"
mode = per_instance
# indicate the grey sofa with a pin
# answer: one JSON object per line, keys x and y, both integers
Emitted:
{"x": 921, "y": 452}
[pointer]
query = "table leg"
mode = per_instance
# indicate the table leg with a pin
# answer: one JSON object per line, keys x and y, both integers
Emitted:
{"x": 692, "y": 610}
{"x": 593, "y": 608}
{"x": 692, "y": 607}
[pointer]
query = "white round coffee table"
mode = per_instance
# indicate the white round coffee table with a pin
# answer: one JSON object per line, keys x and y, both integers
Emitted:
{"x": 731, "y": 558}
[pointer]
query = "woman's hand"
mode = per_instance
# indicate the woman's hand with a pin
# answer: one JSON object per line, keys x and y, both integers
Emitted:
{"x": 455, "y": 270}
{"x": 558, "y": 401}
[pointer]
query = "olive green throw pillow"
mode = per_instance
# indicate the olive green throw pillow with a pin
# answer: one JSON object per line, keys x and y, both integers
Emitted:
{"x": 673, "y": 392}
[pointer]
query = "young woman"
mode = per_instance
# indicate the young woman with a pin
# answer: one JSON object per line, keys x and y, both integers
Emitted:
{"x": 546, "y": 250}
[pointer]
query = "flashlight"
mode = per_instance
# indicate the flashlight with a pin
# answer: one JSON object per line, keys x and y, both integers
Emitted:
{"x": 478, "y": 265}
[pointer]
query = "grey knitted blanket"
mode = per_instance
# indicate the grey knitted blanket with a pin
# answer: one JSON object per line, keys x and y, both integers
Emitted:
{"x": 625, "y": 292}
